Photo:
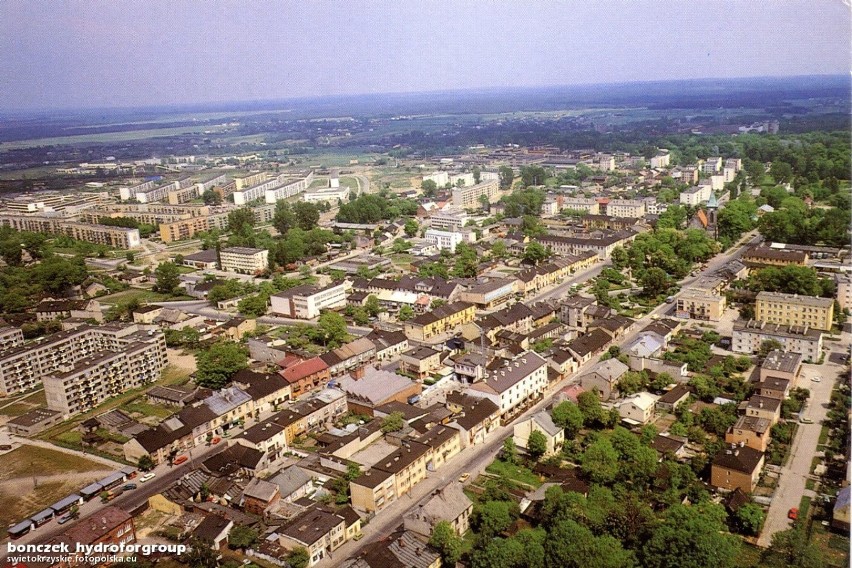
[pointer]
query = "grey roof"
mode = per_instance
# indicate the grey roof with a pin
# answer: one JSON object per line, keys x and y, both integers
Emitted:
{"x": 504, "y": 378}
{"x": 311, "y": 525}
{"x": 376, "y": 385}
{"x": 611, "y": 370}
{"x": 810, "y": 301}
{"x": 545, "y": 422}
{"x": 783, "y": 362}
{"x": 227, "y": 399}
{"x": 446, "y": 504}
{"x": 260, "y": 489}
{"x": 289, "y": 480}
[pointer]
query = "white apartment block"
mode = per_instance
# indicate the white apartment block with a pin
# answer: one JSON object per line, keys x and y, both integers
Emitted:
{"x": 587, "y": 204}
{"x": 443, "y": 239}
{"x": 23, "y": 366}
{"x": 464, "y": 179}
{"x": 468, "y": 197}
{"x": 448, "y": 220}
{"x": 288, "y": 188}
{"x": 115, "y": 237}
{"x": 728, "y": 174}
{"x": 696, "y": 195}
{"x": 128, "y": 193}
{"x": 844, "y": 292}
{"x": 243, "y": 260}
{"x": 605, "y": 163}
{"x": 712, "y": 165}
{"x": 103, "y": 375}
{"x": 306, "y": 302}
{"x": 327, "y": 194}
{"x": 515, "y": 383}
{"x": 440, "y": 178}
{"x": 735, "y": 163}
{"x": 10, "y": 337}
{"x": 748, "y": 336}
{"x": 633, "y": 208}
{"x": 661, "y": 160}
{"x": 717, "y": 182}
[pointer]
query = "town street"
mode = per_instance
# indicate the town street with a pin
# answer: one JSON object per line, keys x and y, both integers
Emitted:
{"x": 475, "y": 459}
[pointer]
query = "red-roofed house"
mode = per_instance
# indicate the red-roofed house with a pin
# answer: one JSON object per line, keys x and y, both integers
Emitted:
{"x": 306, "y": 376}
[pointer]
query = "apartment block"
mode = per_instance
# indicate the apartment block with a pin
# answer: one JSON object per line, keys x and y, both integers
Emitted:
{"x": 468, "y": 197}
{"x": 712, "y": 165}
{"x": 443, "y": 239}
{"x": 792, "y": 309}
{"x": 513, "y": 384}
{"x": 327, "y": 195}
{"x": 696, "y": 195}
{"x": 243, "y": 260}
{"x": 844, "y": 292}
{"x": 632, "y": 208}
{"x": 448, "y": 220}
{"x": 439, "y": 320}
{"x": 587, "y": 204}
{"x": 22, "y": 367}
{"x": 115, "y": 237}
{"x": 105, "y": 374}
{"x": 272, "y": 190}
{"x": 306, "y": 302}
{"x": 749, "y": 335}
{"x": 601, "y": 243}
{"x": 10, "y": 337}
{"x": 700, "y": 304}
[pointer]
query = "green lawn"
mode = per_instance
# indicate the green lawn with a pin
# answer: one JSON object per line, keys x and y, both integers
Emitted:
{"x": 804, "y": 505}
{"x": 514, "y": 472}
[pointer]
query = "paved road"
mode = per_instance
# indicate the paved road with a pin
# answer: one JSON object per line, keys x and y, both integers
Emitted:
{"x": 475, "y": 459}
{"x": 129, "y": 500}
{"x": 794, "y": 475}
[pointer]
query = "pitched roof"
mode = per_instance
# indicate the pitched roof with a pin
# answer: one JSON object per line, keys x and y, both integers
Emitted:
{"x": 504, "y": 378}
{"x": 674, "y": 395}
{"x": 375, "y": 386}
{"x": 295, "y": 373}
{"x": 311, "y": 525}
{"x": 590, "y": 342}
{"x": 446, "y": 504}
{"x": 744, "y": 460}
{"x": 261, "y": 490}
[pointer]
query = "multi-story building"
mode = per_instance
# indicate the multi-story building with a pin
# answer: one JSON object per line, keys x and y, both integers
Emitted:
{"x": 737, "y": 468}
{"x": 844, "y": 292}
{"x": 792, "y": 309}
{"x": 306, "y": 302}
{"x": 696, "y": 195}
{"x": 449, "y": 503}
{"x": 749, "y": 335}
{"x": 751, "y": 431}
{"x": 327, "y": 195}
{"x": 10, "y": 337}
{"x": 441, "y": 179}
{"x": 661, "y": 160}
{"x": 601, "y": 243}
{"x": 108, "y": 527}
{"x": 769, "y": 256}
{"x": 319, "y": 531}
{"x": 469, "y": 197}
{"x": 448, "y": 220}
{"x": 700, "y": 304}
{"x": 587, "y": 204}
{"x": 271, "y": 190}
{"x": 22, "y": 367}
{"x": 440, "y": 320}
{"x": 712, "y": 165}
{"x": 243, "y": 260}
{"x": 514, "y": 384}
{"x": 104, "y": 374}
{"x": 443, "y": 239}
{"x": 633, "y": 208}
{"x": 115, "y": 237}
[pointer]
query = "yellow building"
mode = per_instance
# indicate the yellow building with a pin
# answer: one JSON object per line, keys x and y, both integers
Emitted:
{"x": 792, "y": 309}
{"x": 701, "y": 304}
{"x": 441, "y": 319}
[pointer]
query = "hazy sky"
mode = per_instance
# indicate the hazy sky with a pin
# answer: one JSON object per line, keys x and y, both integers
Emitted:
{"x": 64, "y": 53}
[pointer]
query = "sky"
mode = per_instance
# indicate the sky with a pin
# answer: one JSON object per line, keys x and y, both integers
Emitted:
{"x": 86, "y": 53}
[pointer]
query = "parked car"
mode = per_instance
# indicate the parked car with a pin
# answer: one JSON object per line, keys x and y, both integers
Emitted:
{"x": 179, "y": 460}
{"x": 130, "y": 486}
{"x": 464, "y": 477}
{"x": 816, "y": 378}
{"x": 64, "y": 518}
{"x": 147, "y": 477}
{"x": 793, "y": 513}
{"x": 216, "y": 440}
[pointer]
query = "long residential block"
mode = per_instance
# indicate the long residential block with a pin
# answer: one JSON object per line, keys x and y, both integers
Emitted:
{"x": 115, "y": 237}
{"x": 792, "y": 309}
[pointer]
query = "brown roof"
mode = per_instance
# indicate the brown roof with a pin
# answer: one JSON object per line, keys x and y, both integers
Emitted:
{"x": 397, "y": 461}
{"x": 674, "y": 395}
{"x": 96, "y": 526}
{"x": 591, "y": 342}
{"x": 745, "y": 459}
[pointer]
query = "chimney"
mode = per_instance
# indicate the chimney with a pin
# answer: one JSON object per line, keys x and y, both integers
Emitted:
{"x": 400, "y": 542}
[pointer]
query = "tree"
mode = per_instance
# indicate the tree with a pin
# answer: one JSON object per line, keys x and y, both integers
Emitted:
{"x": 691, "y": 537}
{"x": 218, "y": 363}
{"x": 284, "y": 219}
{"x": 619, "y": 258}
{"x": 507, "y": 176}
{"x": 781, "y": 172}
{"x": 571, "y": 545}
{"x": 74, "y": 512}
{"x": 655, "y": 281}
{"x": 791, "y": 549}
{"x": 749, "y": 519}
{"x": 332, "y": 328}
{"x": 590, "y": 407}
{"x": 477, "y": 174}
{"x": 568, "y": 416}
{"x": 298, "y": 557}
{"x": 168, "y": 278}
{"x": 241, "y": 222}
{"x": 535, "y": 252}
{"x": 254, "y": 306}
{"x": 484, "y": 202}
{"x": 145, "y": 463}
{"x": 499, "y": 249}
{"x": 393, "y": 422}
{"x": 307, "y": 215}
{"x": 405, "y": 313}
{"x": 492, "y": 518}
{"x": 533, "y": 175}
{"x": 510, "y": 451}
{"x": 372, "y": 305}
{"x": 769, "y": 345}
{"x": 448, "y": 544}
{"x": 600, "y": 462}
{"x": 411, "y": 227}
{"x": 429, "y": 187}
{"x": 242, "y": 536}
{"x": 201, "y": 555}
{"x": 736, "y": 218}
{"x": 536, "y": 445}
{"x": 211, "y": 197}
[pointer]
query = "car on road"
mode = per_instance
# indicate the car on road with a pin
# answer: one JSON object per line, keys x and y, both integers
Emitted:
{"x": 793, "y": 513}
{"x": 358, "y": 536}
{"x": 147, "y": 477}
{"x": 216, "y": 440}
{"x": 464, "y": 477}
{"x": 179, "y": 460}
{"x": 806, "y": 421}
{"x": 130, "y": 487}
{"x": 816, "y": 378}
{"x": 670, "y": 300}
{"x": 64, "y": 519}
